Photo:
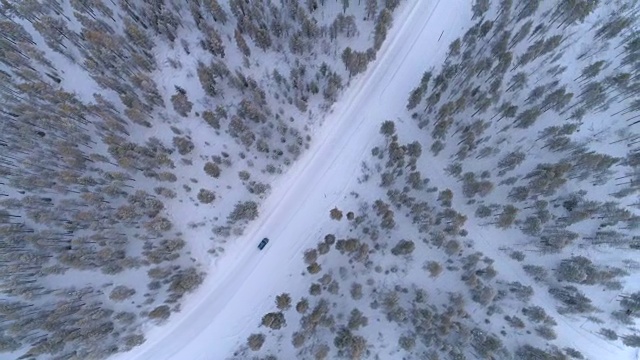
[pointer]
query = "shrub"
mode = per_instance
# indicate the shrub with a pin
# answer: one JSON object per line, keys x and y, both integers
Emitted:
{"x": 574, "y": 300}
{"x": 535, "y": 314}
{"x": 515, "y": 322}
{"x": 403, "y": 247}
{"x": 154, "y": 285}
{"x": 133, "y": 340}
{"x": 321, "y": 351}
{"x": 212, "y": 169}
{"x": 255, "y": 341}
{"x": 349, "y": 245}
{"x": 528, "y": 352}
{"x": 388, "y": 128}
{"x": 382, "y": 25}
{"x": 302, "y": 306}
{"x": 166, "y": 192}
{"x": 609, "y": 334}
{"x": 121, "y": 292}
{"x": 167, "y": 176}
{"x": 244, "y": 210}
{"x": 206, "y": 196}
{"x": 183, "y": 144}
{"x": 485, "y": 343}
{"x": 333, "y": 288}
{"x": 162, "y": 312}
{"x": 622, "y": 316}
{"x": 434, "y": 268}
{"x": 330, "y": 239}
{"x": 631, "y": 301}
{"x": 158, "y": 225}
{"x": 181, "y": 103}
{"x": 356, "y": 291}
{"x": 211, "y": 119}
{"x": 126, "y": 318}
{"x": 314, "y": 268}
{"x": 323, "y": 248}
{"x": 244, "y": 175}
{"x": 274, "y": 320}
{"x": 298, "y": 339}
{"x": 483, "y": 295}
{"x": 483, "y": 211}
{"x": 546, "y": 333}
{"x": 415, "y": 180}
{"x": 283, "y": 301}
{"x": 258, "y": 188}
{"x": 335, "y": 214}
{"x": 518, "y": 193}
{"x": 437, "y": 147}
{"x": 507, "y": 217}
{"x": 407, "y": 342}
{"x": 310, "y": 256}
{"x": 445, "y": 196}
{"x": 577, "y": 269}
{"x": 325, "y": 279}
{"x": 159, "y": 272}
{"x": 521, "y": 292}
{"x": 357, "y": 319}
{"x": 538, "y": 273}
{"x": 185, "y": 281}
{"x": 631, "y": 341}
{"x": 387, "y": 179}
{"x": 574, "y": 353}
{"x": 353, "y": 346}
{"x": 315, "y": 289}
{"x": 451, "y": 247}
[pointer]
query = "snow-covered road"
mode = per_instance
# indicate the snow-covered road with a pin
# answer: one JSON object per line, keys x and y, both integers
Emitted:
{"x": 239, "y": 287}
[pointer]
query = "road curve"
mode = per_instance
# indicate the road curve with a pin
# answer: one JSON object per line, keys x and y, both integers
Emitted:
{"x": 237, "y": 291}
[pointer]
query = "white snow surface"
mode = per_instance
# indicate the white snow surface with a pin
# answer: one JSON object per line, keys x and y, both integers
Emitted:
{"x": 240, "y": 284}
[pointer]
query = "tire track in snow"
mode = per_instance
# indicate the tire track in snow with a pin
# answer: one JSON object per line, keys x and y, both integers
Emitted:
{"x": 413, "y": 43}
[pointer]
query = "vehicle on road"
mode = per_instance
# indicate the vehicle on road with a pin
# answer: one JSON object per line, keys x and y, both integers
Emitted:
{"x": 263, "y": 243}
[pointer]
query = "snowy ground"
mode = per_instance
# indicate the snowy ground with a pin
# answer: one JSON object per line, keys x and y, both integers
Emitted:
{"x": 239, "y": 286}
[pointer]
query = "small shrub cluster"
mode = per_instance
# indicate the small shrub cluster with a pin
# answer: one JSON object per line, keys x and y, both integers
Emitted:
{"x": 206, "y": 196}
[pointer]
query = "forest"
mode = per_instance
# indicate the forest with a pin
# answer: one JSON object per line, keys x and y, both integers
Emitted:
{"x": 498, "y": 217}
{"x": 137, "y": 141}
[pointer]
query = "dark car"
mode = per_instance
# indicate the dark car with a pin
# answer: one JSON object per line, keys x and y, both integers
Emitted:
{"x": 263, "y": 243}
